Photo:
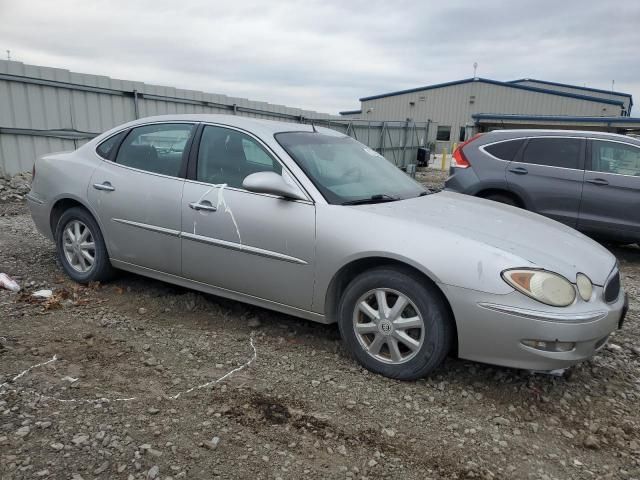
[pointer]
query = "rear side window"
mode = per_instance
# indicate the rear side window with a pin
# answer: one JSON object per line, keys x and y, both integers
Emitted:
{"x": 156, "y": 148}
{"x": 106, "y": 148}
{"x": 554, "y": 152}
{"x": 505, "y": 150}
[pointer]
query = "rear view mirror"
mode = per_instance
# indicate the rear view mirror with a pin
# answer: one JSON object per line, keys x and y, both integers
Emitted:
{"x": 272, "y": 183}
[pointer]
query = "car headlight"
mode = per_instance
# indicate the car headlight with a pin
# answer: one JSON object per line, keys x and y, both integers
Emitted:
{"x": 585, "y": 287}
{"x": 543, "y": 286}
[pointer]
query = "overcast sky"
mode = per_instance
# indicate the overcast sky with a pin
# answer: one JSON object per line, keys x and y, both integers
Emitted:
{"x": 324, "y": 55}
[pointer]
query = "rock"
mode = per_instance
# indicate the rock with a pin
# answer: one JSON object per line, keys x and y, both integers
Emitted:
{"x": 566, "y": 433}
{"x": 153, "y": 472}
{"x": 501, "y": 421}
{"x": 79, "y": 439}
{"x": 389, "y": 432}
{"x": 212, "y": 444}
{"x": 315, "y": 383}
{"x": 142, "y": 310}
{"x": 591, "y": 442}
{"x": 42, "y": 473}
{"x": 57, "y": 446}
{"x": 254, "y": 322}
{"x": 342, "y": 450}
{"x": 153, "y": 411}
{"x": 102, "y": 468}
{"x": 23, "y": 431}
{"x": 372, "y": 463}
{"x": 150, "y": 362}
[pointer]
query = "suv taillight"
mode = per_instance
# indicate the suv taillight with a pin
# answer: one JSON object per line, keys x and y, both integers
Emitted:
{"x": 459, "y": 158}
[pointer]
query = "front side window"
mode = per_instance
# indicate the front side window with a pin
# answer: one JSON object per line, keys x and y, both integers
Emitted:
{"x": 443, "y": 134}
{"x": 156, "y": 148}
{"x": 614, "y": 157}
{"x": 106, "y": 148}
{"x": 554, "y": 152}
{"x": 227, "y": 157}
{"x": 345, "y": 170}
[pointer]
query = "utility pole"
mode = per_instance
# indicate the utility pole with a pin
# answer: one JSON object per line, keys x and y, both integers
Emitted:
{"x": 9, "y": 55}
{"x": 475, "y": 68}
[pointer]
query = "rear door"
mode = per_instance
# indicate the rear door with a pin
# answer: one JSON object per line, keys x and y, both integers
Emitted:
{"x": 548, "y": 174}
{"x": 137, "y": 193}
{"x": 611, "y": 195}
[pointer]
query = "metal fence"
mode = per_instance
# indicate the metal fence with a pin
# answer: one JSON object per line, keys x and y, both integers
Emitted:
{"x": 44, "y": 110}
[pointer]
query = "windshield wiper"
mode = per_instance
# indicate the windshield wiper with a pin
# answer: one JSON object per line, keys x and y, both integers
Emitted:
{"x": 378, "y": 198}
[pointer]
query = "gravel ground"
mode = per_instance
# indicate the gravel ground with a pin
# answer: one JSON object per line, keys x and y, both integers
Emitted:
{"x": 301, "y": 409}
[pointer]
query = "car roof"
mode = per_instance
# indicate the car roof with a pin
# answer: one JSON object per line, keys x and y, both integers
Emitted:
{"x": 533, "y": 132}
{"x": 254, "y": 125}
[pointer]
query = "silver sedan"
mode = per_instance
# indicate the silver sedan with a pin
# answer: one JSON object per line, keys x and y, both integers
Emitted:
{"x": 309, "y": 222}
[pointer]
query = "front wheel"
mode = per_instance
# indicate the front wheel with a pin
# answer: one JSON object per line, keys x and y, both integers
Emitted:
{"x": 395, "y": 323}
{"x": 80, "y": 247}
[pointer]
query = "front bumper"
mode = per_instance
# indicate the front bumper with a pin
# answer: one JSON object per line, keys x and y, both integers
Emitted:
{"x": 491, "y": 328}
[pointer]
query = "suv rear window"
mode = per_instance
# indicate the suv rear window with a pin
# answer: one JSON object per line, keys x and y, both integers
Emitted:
{"x": 505, "y": 150}
{"x": 554, "y": 152}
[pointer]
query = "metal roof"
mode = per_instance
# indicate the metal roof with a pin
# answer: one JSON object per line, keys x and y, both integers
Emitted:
{"x": 496, "y": 82}
{"x": 578, "y": 87}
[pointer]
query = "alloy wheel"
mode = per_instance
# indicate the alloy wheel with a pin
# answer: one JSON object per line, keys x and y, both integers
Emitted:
{"x": 79, "y": 246}
{"x": 388, "y": 325}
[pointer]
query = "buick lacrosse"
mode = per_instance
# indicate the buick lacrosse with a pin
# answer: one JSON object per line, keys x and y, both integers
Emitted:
{"x": 309, "y": 222}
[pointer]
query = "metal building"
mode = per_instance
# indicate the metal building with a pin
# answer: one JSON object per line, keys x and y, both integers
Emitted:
{"x": 458, "y": 109}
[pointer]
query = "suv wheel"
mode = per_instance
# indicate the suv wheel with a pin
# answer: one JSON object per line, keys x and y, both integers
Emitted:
{"x": 80, "y": 247}
{"x": 395, "y": 324}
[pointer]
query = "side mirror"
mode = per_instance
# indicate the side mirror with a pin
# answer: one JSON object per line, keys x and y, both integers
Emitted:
{"x": 272, "y": 183}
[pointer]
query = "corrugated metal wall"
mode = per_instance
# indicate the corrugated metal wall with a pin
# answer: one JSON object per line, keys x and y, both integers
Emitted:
{"x": 43, "y": 110}
{"x": 454, "y": 105}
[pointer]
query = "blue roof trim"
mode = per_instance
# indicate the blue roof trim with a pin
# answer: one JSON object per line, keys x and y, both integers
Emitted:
{"x": 554, "y": 118}
{"x": 557, "y": 84}
{"x": 501, "y": 84}
{"x": 350, "y": 112}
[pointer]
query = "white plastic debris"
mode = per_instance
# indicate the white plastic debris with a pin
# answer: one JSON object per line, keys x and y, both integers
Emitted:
{"x": 69, "y": 379}
{"x": 42, "y": 294}
{"x": 9, "y": 283}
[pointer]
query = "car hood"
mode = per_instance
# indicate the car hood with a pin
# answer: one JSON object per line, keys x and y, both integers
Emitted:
{"x": 539, "y": 241}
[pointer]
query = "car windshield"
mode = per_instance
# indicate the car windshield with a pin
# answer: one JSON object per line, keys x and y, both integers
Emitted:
{"x": 346, "y": 171}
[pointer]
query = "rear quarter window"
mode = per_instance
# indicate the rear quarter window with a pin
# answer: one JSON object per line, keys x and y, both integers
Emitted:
{"x": 506, "y": 150}
{"x": 106, "y": 148}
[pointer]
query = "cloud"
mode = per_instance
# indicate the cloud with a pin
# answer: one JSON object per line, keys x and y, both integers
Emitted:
{"x": 324, "y": 55}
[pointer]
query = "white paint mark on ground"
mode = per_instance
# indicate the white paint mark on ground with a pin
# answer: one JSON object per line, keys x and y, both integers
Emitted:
{"x": 253, "y": 358}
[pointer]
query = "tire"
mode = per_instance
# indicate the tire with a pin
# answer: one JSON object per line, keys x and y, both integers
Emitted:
{"x": 502, "y": 198}
{"x": 431, "y": 343}
{"x": 75, "y": 265}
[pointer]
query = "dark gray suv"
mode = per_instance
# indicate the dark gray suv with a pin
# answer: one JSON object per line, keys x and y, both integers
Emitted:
{"x": 587, "y": 180}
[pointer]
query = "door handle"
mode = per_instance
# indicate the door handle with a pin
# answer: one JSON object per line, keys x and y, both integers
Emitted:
{"x": 106, "y": 186}
{"x": 519, "y": 170}
{"x": 204, "y": 205}
{"x": 597, "y": 181}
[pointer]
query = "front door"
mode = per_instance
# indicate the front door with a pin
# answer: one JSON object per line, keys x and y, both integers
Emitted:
{"x": 256, "y": 244}
{"x": 611, "y": 195}
{"x": 138, "y": 196}
{"x": 548, "y": 175}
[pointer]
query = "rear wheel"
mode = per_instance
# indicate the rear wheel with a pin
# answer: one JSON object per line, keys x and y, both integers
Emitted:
{"x": 80, "y": 247}
{"x": 395, "y": 324}
{"x": 503, "y": 198}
